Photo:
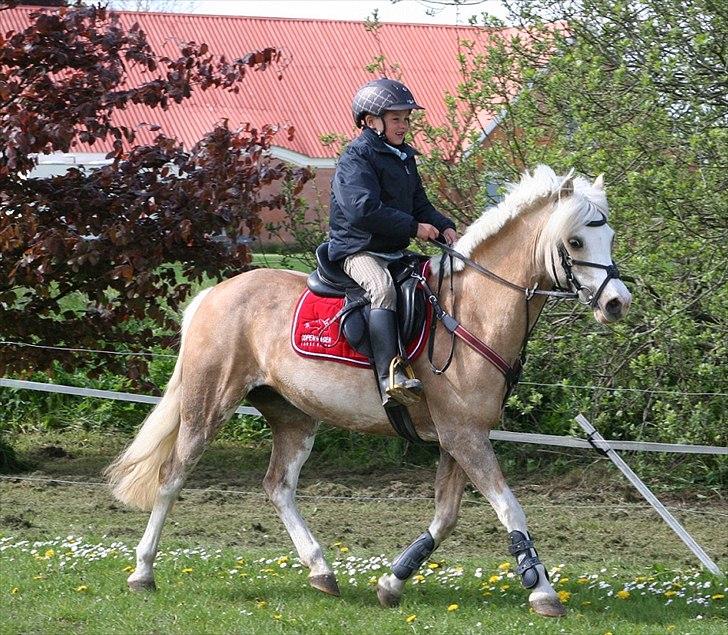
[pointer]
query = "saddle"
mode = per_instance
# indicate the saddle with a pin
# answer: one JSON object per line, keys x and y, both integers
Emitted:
{"x": 329, "y": 280}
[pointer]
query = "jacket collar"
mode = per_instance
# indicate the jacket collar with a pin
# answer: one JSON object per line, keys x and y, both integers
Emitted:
{"x": 374, "y": 141}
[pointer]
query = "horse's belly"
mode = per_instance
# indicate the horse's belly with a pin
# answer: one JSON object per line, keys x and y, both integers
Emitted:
{"x": 342, "y": 396}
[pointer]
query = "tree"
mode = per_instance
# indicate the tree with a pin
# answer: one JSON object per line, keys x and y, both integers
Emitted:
{"x": 98, "y": 259}
{"x": 635, "y": 90}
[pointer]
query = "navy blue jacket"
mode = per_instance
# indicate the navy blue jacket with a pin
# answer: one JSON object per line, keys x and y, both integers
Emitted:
{"x": 377, "y": 199}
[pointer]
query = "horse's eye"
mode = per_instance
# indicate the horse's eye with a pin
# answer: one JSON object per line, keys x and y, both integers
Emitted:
{"x": 575, "y": 243}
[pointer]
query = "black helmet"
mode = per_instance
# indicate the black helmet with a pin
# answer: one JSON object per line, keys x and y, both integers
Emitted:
{"x": 380, "y": 95}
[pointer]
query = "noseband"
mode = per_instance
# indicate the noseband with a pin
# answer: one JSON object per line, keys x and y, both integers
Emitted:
{"x": 584, "y": 294}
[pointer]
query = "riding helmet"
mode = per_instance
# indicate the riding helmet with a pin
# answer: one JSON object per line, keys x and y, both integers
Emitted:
{"x": 380, "y": 95}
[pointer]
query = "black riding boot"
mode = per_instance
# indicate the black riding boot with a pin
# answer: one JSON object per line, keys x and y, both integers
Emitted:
{"x": 396, "y": 386}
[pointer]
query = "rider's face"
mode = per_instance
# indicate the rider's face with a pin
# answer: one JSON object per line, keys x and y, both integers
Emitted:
{"x": 396, "y": 125}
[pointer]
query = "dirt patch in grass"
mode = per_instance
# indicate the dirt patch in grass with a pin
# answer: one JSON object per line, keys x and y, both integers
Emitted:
{"x": 589, "y": 516}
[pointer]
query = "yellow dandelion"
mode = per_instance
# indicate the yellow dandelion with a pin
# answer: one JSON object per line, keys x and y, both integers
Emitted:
{"x": 14, "y": 590}
{"x": 623, "y": 594}
{"x": 717, "y": 596}
{"x": 452, "y": 607}
{"x": 433, "y": 565}
{"x": 505, "y": 587}
{"x": 187, "y": 570}
{"x": 282, "y": 559}
{"x": 344, "y": 549}
{"x": 505, "y": 566}
{"x": 418, "y": 578}
{"x": 129, "y": 568}
{"x": 410, "y": 618}
{"x": 563, "y": 580}
{"x": 564, "y": 596}
{"x": 49, "y": 553}
{"x": 582, "y": 580}
{"x": 261, "y": 604}
{"x": 493, "y": 579}
{"x": 82, "y": 589}
{"x": 372, "y": 579}
{"x": 670, "y": 594}
{"x": 277, "y": 616}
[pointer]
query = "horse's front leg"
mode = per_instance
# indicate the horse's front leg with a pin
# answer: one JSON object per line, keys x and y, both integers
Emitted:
{"x": 475, "y": 455}
{"x": 449, "y": 485}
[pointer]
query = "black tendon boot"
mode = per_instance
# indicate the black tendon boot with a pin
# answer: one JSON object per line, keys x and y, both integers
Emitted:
{"x": 396, "y": 385}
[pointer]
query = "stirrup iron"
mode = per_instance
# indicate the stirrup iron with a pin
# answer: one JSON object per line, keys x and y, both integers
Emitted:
{"x": 408, "y": 392}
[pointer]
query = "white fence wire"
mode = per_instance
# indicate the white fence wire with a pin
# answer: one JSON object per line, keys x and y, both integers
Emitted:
{"x": 496, "y": 435}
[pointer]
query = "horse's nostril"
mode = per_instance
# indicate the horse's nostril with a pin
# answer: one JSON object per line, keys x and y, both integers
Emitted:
{"x": 614, "y": 306}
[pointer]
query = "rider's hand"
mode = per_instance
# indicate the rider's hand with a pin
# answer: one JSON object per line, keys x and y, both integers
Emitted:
{"x": 450, "y": 236}
{"x": 425, "y": 231}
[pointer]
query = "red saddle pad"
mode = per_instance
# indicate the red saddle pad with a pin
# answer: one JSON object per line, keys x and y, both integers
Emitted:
{"x": 315, "y": 334}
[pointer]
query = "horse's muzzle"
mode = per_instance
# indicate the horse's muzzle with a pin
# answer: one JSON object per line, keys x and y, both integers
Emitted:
{"x": 614, "y": 303}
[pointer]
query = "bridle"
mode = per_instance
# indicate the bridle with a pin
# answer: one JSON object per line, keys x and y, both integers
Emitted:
{"x": 582, "y": 293}
{"x": 573, "y": 290}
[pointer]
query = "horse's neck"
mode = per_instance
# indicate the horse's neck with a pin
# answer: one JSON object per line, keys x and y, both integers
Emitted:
{"x": 494, "y": 312}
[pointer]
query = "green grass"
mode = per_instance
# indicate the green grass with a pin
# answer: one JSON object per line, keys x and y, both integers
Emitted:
{"x": 297, "y": 262}
{"x": 72, "y": 585}
{"x": 608, "y": 541}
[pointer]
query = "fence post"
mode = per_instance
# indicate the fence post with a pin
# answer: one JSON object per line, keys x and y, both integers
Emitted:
{"x": 601, "y": 445}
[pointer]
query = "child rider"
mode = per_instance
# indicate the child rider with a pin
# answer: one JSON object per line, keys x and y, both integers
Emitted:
{"x": 378, "y": 204}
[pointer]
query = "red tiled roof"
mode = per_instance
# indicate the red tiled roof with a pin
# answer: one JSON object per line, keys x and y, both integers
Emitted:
{"x": 327, "y": 62}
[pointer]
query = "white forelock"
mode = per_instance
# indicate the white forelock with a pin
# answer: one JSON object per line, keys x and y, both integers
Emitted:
{"x": 542, "y": 184}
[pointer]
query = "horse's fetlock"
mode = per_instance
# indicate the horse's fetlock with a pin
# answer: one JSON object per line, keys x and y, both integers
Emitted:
{"x": 413, "y": 556}
{"x": 527, "y": 558}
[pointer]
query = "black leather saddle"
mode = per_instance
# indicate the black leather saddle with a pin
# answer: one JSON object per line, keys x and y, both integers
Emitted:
{"x": 329, "y": 280}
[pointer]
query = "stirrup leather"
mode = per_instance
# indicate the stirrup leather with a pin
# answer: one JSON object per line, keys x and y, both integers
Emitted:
{"x": 404, "y": 394}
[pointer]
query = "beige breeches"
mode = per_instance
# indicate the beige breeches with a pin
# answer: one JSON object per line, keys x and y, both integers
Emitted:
{"x": 372, "y": 275}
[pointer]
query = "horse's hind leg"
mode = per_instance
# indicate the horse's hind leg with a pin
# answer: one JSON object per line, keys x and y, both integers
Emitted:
{"x": 178, "y": 467}
{"x": 203, "y": 411}
{"x": 293, "y": 437}
{"x": 450, "y": 482}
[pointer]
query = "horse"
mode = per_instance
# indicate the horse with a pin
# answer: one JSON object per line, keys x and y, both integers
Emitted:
{"x": 549, "y": 232}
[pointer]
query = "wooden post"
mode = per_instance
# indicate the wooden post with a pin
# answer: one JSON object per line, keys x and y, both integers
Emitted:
{"x": 602, "y": 446}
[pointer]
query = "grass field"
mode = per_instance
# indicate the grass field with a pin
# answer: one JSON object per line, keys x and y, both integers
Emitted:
{"x": 77, "y": 586}
{"x": 226, "y": 564}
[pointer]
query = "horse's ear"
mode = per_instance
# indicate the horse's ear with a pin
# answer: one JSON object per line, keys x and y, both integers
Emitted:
{"x": 567, "y": 185}
{"x": 599, "y": 182}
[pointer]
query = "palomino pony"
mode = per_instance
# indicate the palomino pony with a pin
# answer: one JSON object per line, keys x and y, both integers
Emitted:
{"x": 549, "y": 232}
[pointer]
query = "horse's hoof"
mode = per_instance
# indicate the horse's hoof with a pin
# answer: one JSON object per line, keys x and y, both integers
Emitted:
{"x": 548, "y": 607}
{"x": 141, "y": 585}
{"x": 387, "y": 599}
{"x": 326, "y": 583}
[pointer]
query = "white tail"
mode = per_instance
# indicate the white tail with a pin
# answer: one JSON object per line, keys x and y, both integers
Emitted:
{"x": 134, "y": 476}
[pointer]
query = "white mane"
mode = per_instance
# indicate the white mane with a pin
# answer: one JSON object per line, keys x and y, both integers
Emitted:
{"x": 544, "y": 183}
